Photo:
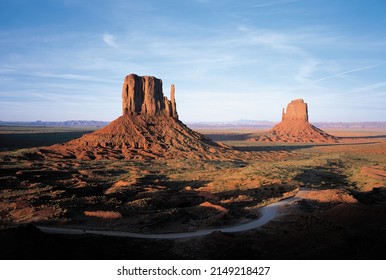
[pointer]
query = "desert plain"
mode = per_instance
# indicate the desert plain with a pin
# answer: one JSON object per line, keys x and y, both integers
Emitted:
{"x": 176, "y": 180}
{"x": 342, "y": 216}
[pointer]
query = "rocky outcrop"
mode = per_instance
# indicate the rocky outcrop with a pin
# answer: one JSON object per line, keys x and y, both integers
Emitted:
{"x": 297, "y": 110}
{"x": 295, "y": 127}
{"x": 173, "y": 102}
{"x": 144, "y": 96}
{"x": 148, "y": 128}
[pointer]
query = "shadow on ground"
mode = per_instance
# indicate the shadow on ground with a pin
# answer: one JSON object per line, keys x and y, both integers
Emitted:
{"x": 323, "y": 177}
{"x": 290, "y": 147}
{"x": 13, "y": 141}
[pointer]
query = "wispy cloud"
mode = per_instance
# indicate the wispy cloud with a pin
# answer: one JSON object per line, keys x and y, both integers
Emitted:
{"x": 74, "y": 77}
{"x": 370, "y": 87}
{"x": 306, "y": 70}
{"x": 255, "y": 53}
{"x": 273, "y": 3}
{"x": 109, "y": 40}
{"x": 348, "y": 71}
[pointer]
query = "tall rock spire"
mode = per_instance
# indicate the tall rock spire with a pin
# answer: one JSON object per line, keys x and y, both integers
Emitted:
{"x": 173, "y": 101}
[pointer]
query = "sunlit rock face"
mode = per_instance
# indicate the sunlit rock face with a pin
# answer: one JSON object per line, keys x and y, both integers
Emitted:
{"x": 144, "y": 96}
{"x": 297, "y": 110}
{"x": 148, "y": 128}
{"x": 295, "y": 127}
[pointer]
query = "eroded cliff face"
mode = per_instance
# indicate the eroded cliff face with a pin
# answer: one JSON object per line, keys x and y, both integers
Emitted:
{"x": 144, "y": 96}
{"x": 173, "y": 102}
{"x": 297, "y": 110}
{"x": 149, "y": 128}
{"x": 295, "y": 127}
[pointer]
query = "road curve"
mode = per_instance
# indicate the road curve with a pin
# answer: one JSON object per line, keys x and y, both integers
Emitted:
{"x": 267, "y": 214}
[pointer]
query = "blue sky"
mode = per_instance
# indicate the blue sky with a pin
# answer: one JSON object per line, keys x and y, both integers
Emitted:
{"x": 229, "y": 60}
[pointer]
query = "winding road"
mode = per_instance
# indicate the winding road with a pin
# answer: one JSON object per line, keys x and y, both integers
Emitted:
{"x": 268, "y": 213}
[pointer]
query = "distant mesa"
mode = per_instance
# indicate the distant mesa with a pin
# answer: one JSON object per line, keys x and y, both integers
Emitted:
{"x": 148, "y": 128}
{"x": 295, "y": 127}
{"x": 297, "y": 111}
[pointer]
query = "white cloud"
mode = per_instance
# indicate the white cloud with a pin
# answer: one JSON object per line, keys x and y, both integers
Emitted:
{"x": 109, "y": 40}
{"x": 273, "y": 3}
{"x": 306, "y": 70}
{"x": 254, "y": 66}
{"x": 349, "y": 71}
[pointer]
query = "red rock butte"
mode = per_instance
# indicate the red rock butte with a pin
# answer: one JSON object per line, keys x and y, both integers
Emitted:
{"x": 148, "y": 128}
{"x": 143, "y": 95}
{"x": 297, "y": 110}
{"x": 295, "y": 127}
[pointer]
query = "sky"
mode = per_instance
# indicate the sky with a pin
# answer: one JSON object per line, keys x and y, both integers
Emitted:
{"x": 229, "y": 60}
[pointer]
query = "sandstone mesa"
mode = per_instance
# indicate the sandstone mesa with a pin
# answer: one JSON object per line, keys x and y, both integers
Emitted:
{"x": 148, "y": 128}
{"x": 295, "y": 127}
{"x": 143, "y": 95}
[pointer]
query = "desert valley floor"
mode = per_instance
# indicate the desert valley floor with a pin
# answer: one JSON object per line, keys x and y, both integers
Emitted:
{"x": 341, "y": 216}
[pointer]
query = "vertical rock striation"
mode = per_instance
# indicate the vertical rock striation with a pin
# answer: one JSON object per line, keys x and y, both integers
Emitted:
{"x": 297, "y": 110}
{"x": 173, "y": 102}
{"x": 149, "y": 128}
{"x": 295, "y": 127}
{"x": 144, "y": 96}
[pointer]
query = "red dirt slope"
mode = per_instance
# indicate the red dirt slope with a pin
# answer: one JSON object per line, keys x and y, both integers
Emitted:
{"x": 295, "y": 127}
{"x": 149, "y": 128}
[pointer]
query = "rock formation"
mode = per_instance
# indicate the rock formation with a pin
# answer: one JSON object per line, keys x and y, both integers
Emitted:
{"x": 144, "y": 96}
{"x": 294, "y": 127}
{"x": 148, "y": 128}
{"x": 297, "y": 110}
{"x": 173, "y": 102}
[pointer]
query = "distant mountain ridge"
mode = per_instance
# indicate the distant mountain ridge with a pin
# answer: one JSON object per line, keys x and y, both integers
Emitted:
{"x": 270, "y": 124}
{"x": 238, "y": 123}
{"x": 148, "y": 128}
{"x": 69, "y": 123}
{"x": 351, "y": 124}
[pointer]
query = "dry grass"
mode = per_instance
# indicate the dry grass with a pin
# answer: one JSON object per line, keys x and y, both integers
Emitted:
{"x": 103, "y": 214}
{"x": 182, "y": 192}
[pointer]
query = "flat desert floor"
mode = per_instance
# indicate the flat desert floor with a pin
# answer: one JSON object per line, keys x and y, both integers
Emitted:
{"x": 340, "y": 216}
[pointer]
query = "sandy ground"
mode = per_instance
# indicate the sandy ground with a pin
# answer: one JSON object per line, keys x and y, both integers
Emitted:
{"x": 342, "y": 207}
